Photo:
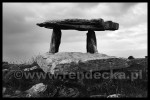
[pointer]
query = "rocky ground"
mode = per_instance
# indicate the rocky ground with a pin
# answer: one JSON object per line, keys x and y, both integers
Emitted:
{"x": 39, "y": 78}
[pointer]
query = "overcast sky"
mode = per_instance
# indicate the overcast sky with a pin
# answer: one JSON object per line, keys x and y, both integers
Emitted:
{"x": 22, "y": 39}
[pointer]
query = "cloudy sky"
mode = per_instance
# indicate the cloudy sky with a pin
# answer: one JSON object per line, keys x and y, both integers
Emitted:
{"x": 22, "y": 39}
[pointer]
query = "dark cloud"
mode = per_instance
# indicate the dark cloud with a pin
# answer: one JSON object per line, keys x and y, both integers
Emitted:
{"x": 86, "y": 5}
{"x": 118, "y": 9}
{"x": 128, "y": 14}
{"x": 14, "y": 19}
{"x": 126, "y": 6}
{"x": 15, "y": 25}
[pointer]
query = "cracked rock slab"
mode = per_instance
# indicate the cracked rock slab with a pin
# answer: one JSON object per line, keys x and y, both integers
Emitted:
{"x": 66, "y": 62}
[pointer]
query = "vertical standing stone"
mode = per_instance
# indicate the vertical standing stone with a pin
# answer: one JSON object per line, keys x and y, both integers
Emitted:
{"x": 55, "y": 40}
{"x": 91, "y": 42}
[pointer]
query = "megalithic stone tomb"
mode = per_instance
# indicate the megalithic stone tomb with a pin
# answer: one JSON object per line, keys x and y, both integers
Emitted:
{"x": 80, "y": 25}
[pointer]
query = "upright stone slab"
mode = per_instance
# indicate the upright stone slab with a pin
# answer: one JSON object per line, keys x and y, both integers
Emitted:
{"x": 55, "y": 40}
{"x": 91, "y": 42}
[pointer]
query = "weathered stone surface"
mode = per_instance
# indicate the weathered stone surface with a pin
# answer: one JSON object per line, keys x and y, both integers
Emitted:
{"x": 55, "y": 40}
{"x": 91, "y": 42}
{"x": 30, "y": 69}
{"x": 109, "y": 25}
{"x": 63, "y": 63}
{"x": 68, "y": 92}
{"x": 81, "y": 24}
{"x": 4, "y": 90}
{"x": 36, "y": 89}
{"x": 114, "y": 96}
{"x": 98, "y": 96}
{"x": 79, "y": 21}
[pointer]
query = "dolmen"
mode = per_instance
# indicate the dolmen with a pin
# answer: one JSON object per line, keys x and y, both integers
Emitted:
{"x": 91, "y": 26}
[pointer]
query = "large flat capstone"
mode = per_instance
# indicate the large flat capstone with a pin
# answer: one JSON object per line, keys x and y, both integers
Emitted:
{"x": 80, "y": 24}
{"x": 66, "y": 62}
